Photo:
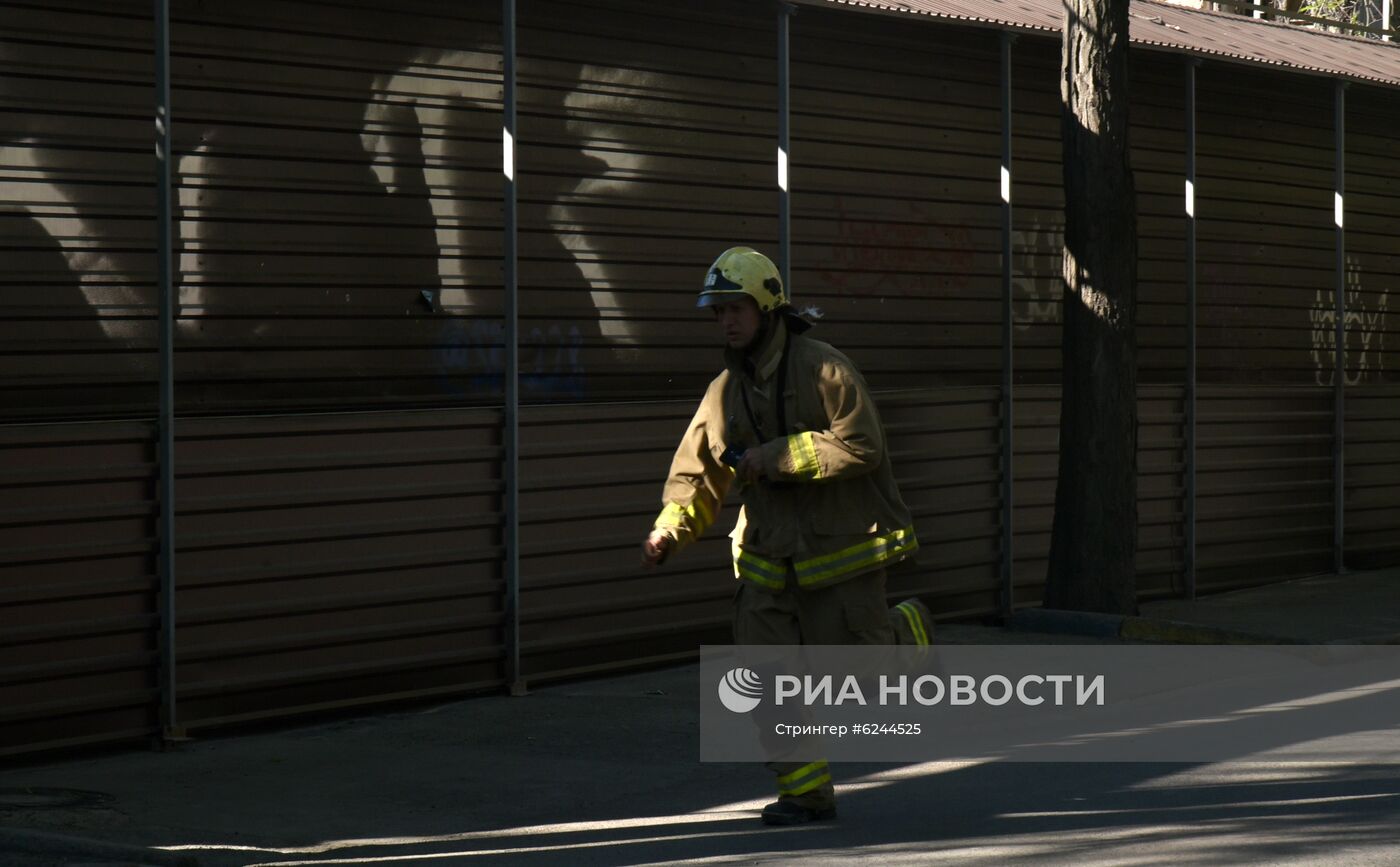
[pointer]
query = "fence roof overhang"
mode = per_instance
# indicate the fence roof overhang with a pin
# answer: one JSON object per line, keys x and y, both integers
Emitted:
{"x": 1171, "y": 28}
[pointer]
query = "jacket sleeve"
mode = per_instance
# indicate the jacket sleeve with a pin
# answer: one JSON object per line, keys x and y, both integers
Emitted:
{"x": 697, "y": 482}
{"x": 852, "y": 445}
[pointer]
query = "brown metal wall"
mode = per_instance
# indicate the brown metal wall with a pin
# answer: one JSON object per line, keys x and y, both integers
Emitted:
{"x": 896, "y": 214}
{"x": 590, "y": 486}
{"x": 336, "y": 559}
{"x": 1373, "y": 477}
{"x": 1372, "y": 331}
{"x": 1264, "y": 203}
{"x": 324, "y": 562}
{"x": 339, "y": 240}
{"x": 1373, "y": 259}
{"x": 589, "y": 477}
{"x": 646, "y": 148}
{"x": 332, "y": 167}
{"x": 1264, "y": 484}
{"x": 77, "y": 584}
{"x": 1160, "y": 491}
{"x": 77, "y": 212}
{"x": 338, "y": 191}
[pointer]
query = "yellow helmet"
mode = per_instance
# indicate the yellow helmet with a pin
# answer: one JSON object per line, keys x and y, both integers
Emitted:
{"x": 743, "y": 271}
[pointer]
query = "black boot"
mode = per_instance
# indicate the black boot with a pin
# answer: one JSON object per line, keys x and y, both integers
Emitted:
{"x": 791, "y": 811}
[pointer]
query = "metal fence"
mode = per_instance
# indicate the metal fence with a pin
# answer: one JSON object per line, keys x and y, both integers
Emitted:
{"x": 341, "y": 197}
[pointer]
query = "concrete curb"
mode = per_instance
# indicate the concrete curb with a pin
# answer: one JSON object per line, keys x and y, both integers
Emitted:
{"x": 1135, "y": 628}
{"x": 1066, "y": 622}
{"x": 44, "y": 843}
{"x": 1389, "y": 638}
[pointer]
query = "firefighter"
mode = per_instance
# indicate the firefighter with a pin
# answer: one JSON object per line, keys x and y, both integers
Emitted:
{"x": 821, "y": 517}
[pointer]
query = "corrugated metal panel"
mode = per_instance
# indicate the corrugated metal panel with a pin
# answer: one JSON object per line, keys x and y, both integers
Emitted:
{"x": 1160, "y": 462}
{"x": 1158, "y": 166}
{"x": 1172, "y": 28}
{"x": 324, "y": 562}
{"x": 343, "y": 559}
{"x": 591, "y": 482}
{"x": 1158, "y": 159}
{"x": 1373, "y": 261}
{"x": 336, "y": 560}
{"x": 77, "y": 206}
{"x": 1264, "y": 484}
{"x": 896, "y": 216}
{"x": 331, "y": 169}
{"x": 646, "y": 148}
{"x": 77, "y": 585}
{"x": 1373, "y": 476}
{"x": 1372, "y": 333}
{"x": 590, "y": 485}
{"x": 944, "y": 443}
{"x": 1267, "y": 243}
{"x": 323, "y": 190}
{"x": 1038, "y": 213}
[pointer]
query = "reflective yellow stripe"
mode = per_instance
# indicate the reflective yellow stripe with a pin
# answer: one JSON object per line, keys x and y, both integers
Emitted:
{"x": 873, "y": 552}
{"x": 873, "y": 542}
{"x": 915, "y": 622}
{"x": 758, "y": 577}
{"x": 760, "y": 571}
{"x": 671, "y": 516}
{"x": 807, "y": 787}
{"x": 801, "y": 772}
{"x": 920, "y": 626}
{"x": 696, "y": 517}
{"x": 702, "y": 508}
{"x": 802, "y": 452}
{"x": 775, "y": 568}
{"x": 895, "y": 550}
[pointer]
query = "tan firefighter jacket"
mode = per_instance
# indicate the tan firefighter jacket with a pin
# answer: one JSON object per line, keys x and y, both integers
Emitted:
{"x": 828, "y": 503}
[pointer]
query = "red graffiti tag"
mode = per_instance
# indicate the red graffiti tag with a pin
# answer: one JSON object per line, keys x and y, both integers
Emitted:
{"x": 897, "y": 256}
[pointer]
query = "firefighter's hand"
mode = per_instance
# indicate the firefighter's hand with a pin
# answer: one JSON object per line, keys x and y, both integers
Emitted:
{"x": 656, "y": 549}
{"x": 750, "y": 468}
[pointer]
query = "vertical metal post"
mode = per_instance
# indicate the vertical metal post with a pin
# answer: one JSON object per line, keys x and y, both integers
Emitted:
{"x": 511, "y": 434}
{"x": 1007, "y": 331}
{"x": 1188, "y": 557}
{"x": 1387, "y": 8}
{"x": 170, "y": 720}
{"x": 1339, "y": 350}
{"x": 785, "y": 13}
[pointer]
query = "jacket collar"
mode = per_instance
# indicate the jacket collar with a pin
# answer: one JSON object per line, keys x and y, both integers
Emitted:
{"x": 763, "y": 364}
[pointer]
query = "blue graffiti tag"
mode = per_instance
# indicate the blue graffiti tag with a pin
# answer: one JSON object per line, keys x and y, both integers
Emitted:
{"x": 471, "y": 359}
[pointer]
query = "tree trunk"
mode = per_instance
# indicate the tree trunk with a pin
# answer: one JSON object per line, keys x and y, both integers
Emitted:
{"x": 1093, "y": 548}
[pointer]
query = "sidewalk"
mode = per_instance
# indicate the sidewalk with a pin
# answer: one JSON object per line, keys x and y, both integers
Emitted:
{"x": 1354, "y": 608}
{"x": 605, "y": 772}
{"x": 1361, "y": 607}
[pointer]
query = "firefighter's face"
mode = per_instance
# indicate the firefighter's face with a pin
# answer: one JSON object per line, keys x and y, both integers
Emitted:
{"x": 739, "y": 320}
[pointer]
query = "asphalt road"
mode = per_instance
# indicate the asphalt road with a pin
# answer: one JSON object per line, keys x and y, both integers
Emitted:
{"x": 606, "y": 772}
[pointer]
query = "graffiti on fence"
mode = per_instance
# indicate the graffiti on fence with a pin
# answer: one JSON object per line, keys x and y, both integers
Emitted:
{"x": 1037, "y": 285}
{"x": 1363, "y": 331}
{"x": 418, "y": 129}
{"x": 471, "y": 359}
{"x": 902, "y": 255}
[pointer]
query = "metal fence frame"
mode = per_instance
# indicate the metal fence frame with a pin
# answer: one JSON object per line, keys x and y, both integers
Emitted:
{"x": 171, "y": 728}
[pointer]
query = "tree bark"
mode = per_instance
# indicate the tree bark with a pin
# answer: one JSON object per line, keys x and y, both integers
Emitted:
{"x": 1093, "y": 548}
